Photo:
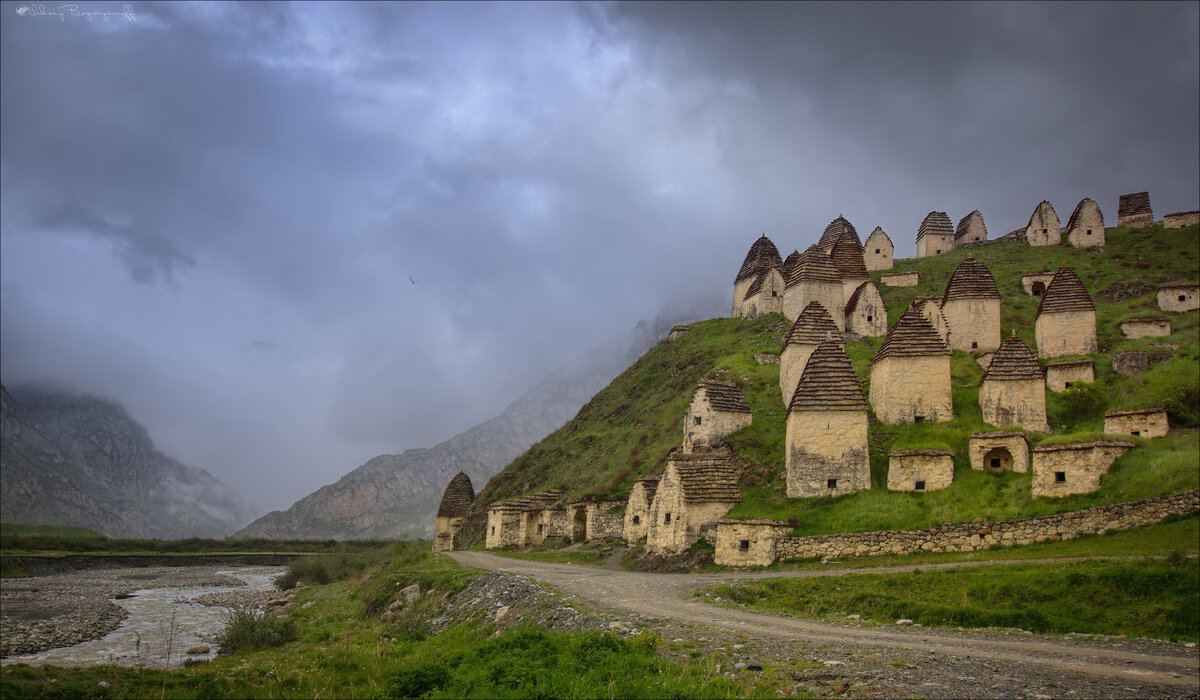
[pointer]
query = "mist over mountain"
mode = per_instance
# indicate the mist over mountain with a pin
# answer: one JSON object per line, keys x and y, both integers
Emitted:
{"x": 73, "y": 459}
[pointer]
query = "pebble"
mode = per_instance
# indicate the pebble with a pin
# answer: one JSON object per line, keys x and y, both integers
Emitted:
{"x": 903, "y": 622}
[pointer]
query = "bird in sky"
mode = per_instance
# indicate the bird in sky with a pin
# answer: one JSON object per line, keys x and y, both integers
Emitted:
{"x": 410, "y": 279}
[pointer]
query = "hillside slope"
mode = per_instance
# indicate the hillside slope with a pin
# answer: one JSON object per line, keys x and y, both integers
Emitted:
{"x": 627, "y": 428}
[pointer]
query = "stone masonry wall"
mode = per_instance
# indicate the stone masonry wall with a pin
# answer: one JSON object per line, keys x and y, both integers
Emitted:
{"x": 704, "y": 426}
{"x": 1180, "y": 219}
{"x": 974, "y": 323}
{"x": 870, "y": 316}
{"x": 637, "y": 507}
{"x": 829, "y": 294}
{"x": 603, "y": 523}
{"x": 1147, "y": 425}
{"x": 1059, "y": 376}
{"x": 1066, "y": 333}
{"x": 901, "y": 279}
{"x": 1129, "y": 362}
{"x": 1019, "y": 402}
{"x": 1169, "y": 299}
{"x": 903, "y": 388}
{"x": 1061, "y": 470}
{"x": 934, "y": 244}
{"x": 930, "y": 471}
{"x": 1145, "y": 327}
{"x": 1027, "y": 281}
{"x": 881, "y": 260}
{"x": 748, "y": 542}
{"x": 980, "y": 449}
{"x": 823, "y": 446}
{"x": 791, "y": 365}
{"x": 979, "y": 536}
{"x": 444, "y": 531}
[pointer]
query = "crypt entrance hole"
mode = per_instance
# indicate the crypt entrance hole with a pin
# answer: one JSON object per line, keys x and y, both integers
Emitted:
{"x": 998, "y": 459}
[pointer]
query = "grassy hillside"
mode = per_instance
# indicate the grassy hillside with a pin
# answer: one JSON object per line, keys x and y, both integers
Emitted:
{"x": 627, "y": 428}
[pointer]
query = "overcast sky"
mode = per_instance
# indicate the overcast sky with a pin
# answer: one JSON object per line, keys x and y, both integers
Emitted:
{"x": 211, "y": 212}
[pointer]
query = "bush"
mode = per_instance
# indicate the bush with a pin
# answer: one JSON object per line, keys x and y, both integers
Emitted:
{"x": 1079, "y": 404}
{"x": 248, "y": 630}
{"x": 414, "y": 681}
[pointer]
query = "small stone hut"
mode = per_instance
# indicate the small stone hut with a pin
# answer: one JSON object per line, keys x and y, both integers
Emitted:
{"x": 971, "y": 307}
{"x": 1146, "y": 422}
{"x": 762, "y": 256}
{"x": 999, "y": 451}
{"x": 826, "y": 450}
{"x": 764, "y": 295}
{"x": 1066, "y": 318}
{"x": 878, "y": 252}
{"x": 1133, "y": 210}
{"x": 695, "y": 490}
{"x": 865, "y": 312}
{"x": 748, "y": 542}
{"x": 935, "y": 236}
{"x": 637, "y": 508}
{"x": 910, "y": 375}
{"x": 717, "y": 409}
{"x": 901, "y": 279}
{"x": 1179, "y": 296}
{"x": 814, "y": 278}
{"x": 457, "y": 500}
{"x": 1061, "y": 470}
{"x": 525, "y": 521}
{"x": 835, "y": 231}
{"x": 1145, "y": 327}
{"x": 847, "y": 257}
{"x": 1061, "y": 375}
{"x": 1035, "y": 283}
{"x": 1013, "y": 389}
{"x": 970, "y": 230}
{"x": 1181, "y": 219}
{"x": 811, "y": 328}
{"x": 678, "y": 332}
{"x": 1043, "y": 227}
{"x": 1085, "y": 228}
{"x": 920, "y": 470}
{"x": 931, "y": 309}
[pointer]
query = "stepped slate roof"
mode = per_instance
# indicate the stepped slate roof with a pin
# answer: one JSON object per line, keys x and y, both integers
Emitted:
{"x": 537, "y": 501}
{"x": 935, "y": 223}
{"x": 762, "y": 255}
{"x": 971, "y": 280}
{"x": 709, "y": 477}
{"x": 834, "y": 231}
{"x": 912, "y": 336}
{"x": 756, "y": 286}
{"x": 964, "y": 224}
{"x": 457, "y": 498}
{"x": 1135, "y": 412}
{"x": 828, "y": 382}
{"x": 852, "y": 304}
{"x": 649, "y": 485}
{"x": 724, "y": 396}
{"x": 812, "y": 326}
{"x": 813, "y": 266}
{"x": 1079, "y": 210}
{"x": 1013, "y": 361}
{"x": 1133, "y": 204}
{"x": 847, "y": 257}
{"x": 790, "y": 264}
{"x": 1065, "y": 293}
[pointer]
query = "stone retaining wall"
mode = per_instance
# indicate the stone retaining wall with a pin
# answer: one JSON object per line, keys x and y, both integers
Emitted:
{"x": 980, "y": 536}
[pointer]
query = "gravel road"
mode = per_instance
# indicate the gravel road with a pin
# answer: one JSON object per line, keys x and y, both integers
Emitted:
{"x": 865, "y": 660}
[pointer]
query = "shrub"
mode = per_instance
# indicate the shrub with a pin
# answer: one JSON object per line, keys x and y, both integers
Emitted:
{"x": 247, "y": 629}
{"x": 1079, "y": 404}
{"x": 414, "y": 681}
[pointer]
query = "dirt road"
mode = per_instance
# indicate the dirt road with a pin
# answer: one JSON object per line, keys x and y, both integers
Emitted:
{"x": 1062, "y": 667}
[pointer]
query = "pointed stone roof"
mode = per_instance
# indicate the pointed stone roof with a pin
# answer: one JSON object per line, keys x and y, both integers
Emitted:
{"x": 834, "y": 231}
{"x": 649, "y": 485}
{"x": 790, "y": 264}
{"x": 724, "y": 396}
{"x": 457, "y": 498}
{"x": 971, "y": 280}
{"x": 847, "y": 257}
{"x": 707, "y": 477}
{"x": 852, "y": 304}
{"x": 1065, "y": 293}
{"x": 912, "y": 336}
{"x": 1133, "y": 204}
{"x": 812, "y": 326}
{"x": 1042, "y": 210}
{"x": 813, "y": 266}
{"x": 881, "y": 232}
{"x": 966, "y": 223}
{"x": 762, "y": 254}
{"x": 935, "y": 223}
{"x": 828, "y": 382}
{"x": 1013, "y": 361}
{"x": 1085, "y": 203}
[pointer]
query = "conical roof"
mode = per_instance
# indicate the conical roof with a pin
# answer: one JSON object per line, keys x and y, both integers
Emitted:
{"x": 847, "y": 257}
{"x": 812, "y": 326}
{"x": 762, "y": 254}
{"x": 828, "y": 382}
{"x": 1013, "y": 360}
{"x": 971, "y": 280}
{"x": 813, "y": 266}
{"x": 935, "y": 223}
{"x": 457, "y": 498}
{"x": 790, "y": 264}
{"x": 912, "y": 336}
{"x": 1065, "y": 293}
{"x": 834, "y": 231}
{"x": 1084, "y": 204}
{"x": 724, "y": 396}
{"x": 967, "y": 222}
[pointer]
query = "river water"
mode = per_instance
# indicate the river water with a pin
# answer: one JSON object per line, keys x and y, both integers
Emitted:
{"x": 162, "y": 624}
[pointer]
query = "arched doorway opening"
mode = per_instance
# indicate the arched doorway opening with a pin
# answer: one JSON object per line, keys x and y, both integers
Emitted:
{"x": 998, "y": 459}
{"x": 579, "y": 525}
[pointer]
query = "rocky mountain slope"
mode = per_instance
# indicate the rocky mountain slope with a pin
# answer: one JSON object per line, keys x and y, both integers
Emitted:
{"x": 71, "y": 459}
{"x": 397, "y": 494}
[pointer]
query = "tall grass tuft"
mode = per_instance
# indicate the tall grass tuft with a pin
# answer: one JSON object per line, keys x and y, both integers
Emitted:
{"x": 247, "y": 629}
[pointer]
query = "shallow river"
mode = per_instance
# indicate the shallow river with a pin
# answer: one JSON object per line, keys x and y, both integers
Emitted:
{"x": 162, "y": 624}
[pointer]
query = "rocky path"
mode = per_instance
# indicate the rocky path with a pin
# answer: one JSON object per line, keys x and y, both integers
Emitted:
{"x": 873, "y": 660}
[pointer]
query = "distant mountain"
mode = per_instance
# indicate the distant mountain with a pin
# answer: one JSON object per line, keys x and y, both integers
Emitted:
{"x": 73, "y": 459}
{"x": 397, "y": 495}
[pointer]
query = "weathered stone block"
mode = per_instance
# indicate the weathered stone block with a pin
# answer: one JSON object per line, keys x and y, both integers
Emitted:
{"x": 1179, "y": 297}
{"x": 1061, "y": 375}
{"x": 1066, "y": 333}
{"x": 827, "y": 453}
{"x": 1061, "y": 470}
{"x": 1130, "y": 362}
{"x": 901, "y": 279}
{"x": 1146, "y": 422}
{"x": 1181, "y": 219}
{"x": 748, "y": 542}
{"x": 911, "y": 389}
{"x": 1145, "y": 327}
{"x": 920, "y": 470}
{"x": 999, "y": 452}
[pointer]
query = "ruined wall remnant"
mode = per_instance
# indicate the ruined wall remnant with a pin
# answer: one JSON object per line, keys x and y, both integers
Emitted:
{"x": 935, "y": 235}
{"x": 971, "y": 307}
{"x": 878, "y": 252}
{"x": 1085, "y": 229}
{"x": 717, "y": 409}
{"x": 814, "y": 278}
{"x": 748, "y": 542}
{"x": 825, "y": 448}
{"x": 457, "y": 500}
{"x": 1066, "y": 318}
{"x": 810, "y": 329}
{"x": 1133, "y": 210}
{"x": 999, "y": 451}
{"x": 920, "y": 470}
{"x": 1035, "y": 283}
{"x": 1146, "y": 422}
{"x": 1181, "y": 219}
{"x": 1130, "y": 362}
{"x": 694, "y": 492}
{"x": 604, "y": 522}
{"x": 1145, "y": 327}
{"x": 1061, "y": 470}
{"x": 866, "y": 314}
{"x": 901, "y": 279}
{"x": 1043, "y": 228}
{"x": 762, "y": 256}
{"x": 1179, "y": 296}
{"x": 637, "y": 509}
{"x": 1013, "y": 389}
{"x": 1061, "y": 375}
{"x": 910, "y": 375}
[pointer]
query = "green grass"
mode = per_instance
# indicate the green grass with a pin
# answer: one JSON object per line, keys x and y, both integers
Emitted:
{"x": 1148, "y": 598}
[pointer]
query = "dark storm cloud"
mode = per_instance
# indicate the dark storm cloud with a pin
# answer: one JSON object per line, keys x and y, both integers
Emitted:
{"x": 215, "y": 213}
